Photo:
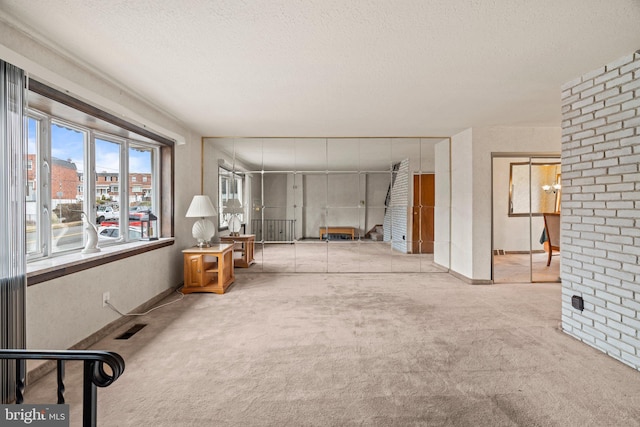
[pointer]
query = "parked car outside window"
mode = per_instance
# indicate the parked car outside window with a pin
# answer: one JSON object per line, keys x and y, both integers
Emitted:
{"x": 112, "y": 232}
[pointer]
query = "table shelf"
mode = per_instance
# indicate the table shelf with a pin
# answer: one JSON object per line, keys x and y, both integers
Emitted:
{"x": 244, "y": 244}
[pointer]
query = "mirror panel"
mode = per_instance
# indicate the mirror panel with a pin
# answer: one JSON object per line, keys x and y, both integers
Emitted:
{"x": 343, "y": 154}
{"x": 547, "y": 198}
{"x": 247, "y": 153}
{"x": 406, "y": 156}
{"x": 344, "y": 190}
{"x": 278, "y": 257}
{"x": 279, "y": 154}
{"x": 294, "y": 186}
{"x": 253, "y": 204}
{"x": 314, "y": 204}
{"x": 310, "y": 154}
{"x": 374, "y": 256}
{"x": 311, "y": 256}
{"x": 343, "y": 239}
{"x": 375, "y": 154}
{"x": 542, "y": 190}
{"x": 442, "y": 211}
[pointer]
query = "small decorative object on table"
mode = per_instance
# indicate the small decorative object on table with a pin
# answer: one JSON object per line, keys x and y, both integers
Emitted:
{"x": 92, "y": 236}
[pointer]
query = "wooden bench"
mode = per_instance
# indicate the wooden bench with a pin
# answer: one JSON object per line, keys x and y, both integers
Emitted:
{"x": 349, "y": 231}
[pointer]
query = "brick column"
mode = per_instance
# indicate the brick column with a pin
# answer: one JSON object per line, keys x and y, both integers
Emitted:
{"x": 600, "y": 243}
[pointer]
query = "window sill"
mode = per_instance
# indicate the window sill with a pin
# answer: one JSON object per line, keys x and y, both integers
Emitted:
{"x": 54, "y": 267}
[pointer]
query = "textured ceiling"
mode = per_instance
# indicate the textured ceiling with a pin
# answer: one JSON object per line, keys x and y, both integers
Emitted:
{"x": 337, "y": 67}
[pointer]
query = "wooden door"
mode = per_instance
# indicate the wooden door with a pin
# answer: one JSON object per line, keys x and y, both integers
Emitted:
{"x": 424, "y": 197}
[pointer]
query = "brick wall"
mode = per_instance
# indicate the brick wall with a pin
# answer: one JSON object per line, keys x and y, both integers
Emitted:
{"x": 600, "y": 243}
{"x": 64, "y": 179}
{"x": 395, "y": 219}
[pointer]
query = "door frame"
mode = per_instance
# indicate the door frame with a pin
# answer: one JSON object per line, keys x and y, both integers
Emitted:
{"x": 523, "y": 155}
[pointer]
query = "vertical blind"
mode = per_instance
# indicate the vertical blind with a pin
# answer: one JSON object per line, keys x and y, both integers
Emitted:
{"x": 12, "y": 235}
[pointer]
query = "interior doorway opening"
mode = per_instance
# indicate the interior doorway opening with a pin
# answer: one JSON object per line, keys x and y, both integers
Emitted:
{"x": 526, "y": 194}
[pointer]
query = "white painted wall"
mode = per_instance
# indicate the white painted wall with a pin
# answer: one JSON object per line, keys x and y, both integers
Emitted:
{"x": 471, "y": 187}
{"x": 462, "y": 203}
{"x": 62, "y": 312}
{"x": 499, "y": 140}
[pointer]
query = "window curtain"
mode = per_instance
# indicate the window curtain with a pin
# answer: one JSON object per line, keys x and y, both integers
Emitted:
{"x": 12, "y": 227}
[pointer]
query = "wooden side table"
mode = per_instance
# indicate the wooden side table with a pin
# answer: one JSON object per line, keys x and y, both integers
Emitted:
{"x": 208, "y": 269}
{"x": 244, "y": 244}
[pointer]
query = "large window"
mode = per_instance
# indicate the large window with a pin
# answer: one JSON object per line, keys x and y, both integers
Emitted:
{"x": 106, "y": 173}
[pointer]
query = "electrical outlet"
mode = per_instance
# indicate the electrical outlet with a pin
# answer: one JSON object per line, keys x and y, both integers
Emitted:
{"x": 105, "y": 298}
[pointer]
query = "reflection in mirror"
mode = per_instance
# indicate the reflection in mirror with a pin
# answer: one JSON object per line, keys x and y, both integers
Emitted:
{"x": 519, "y": 239}
{"x": 278, "y": 257}
{"x": 343, "y": 238}
{"x": 310, "y": 154}
{"x": 442, "y": 208}
{"x": 375, "y": 256}
{"x": 247, "y": 153}
{"x": 328, "y": 204}
{"x": 375, "y": 154}
{"x": 252, "y": 203}
{"x": 230, "y": 196}
{"x": 311, "y": 256}
{"x": 542, "y": 193}
{"x": 279, "y": 154}
{"x": 343, "y": 154}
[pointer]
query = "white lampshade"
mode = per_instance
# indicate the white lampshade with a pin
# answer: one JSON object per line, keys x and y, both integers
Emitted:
{"x": 233, "y": 207}
{"x": 201, "y": 206}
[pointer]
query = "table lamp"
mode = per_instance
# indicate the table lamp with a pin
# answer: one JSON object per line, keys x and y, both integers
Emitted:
{"x": 232, "y": 209}
{"x": 203, "y": 230}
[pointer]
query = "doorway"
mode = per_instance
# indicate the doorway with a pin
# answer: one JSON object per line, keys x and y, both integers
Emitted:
{"x": 424, "y": 197}
{"x": 525, "y": 188}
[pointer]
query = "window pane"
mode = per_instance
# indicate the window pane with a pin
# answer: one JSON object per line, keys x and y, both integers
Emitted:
{"x": 107, "y": 180}
{"x": 141, "y": 197}
{"x": 67, "y": 169}
{"x": 32, "y": 212}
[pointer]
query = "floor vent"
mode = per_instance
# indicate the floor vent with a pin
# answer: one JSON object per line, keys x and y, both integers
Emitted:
{"x": 131, "y": 331}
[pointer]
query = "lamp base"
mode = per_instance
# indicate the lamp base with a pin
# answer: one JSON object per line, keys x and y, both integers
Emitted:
{"x": 203, "y": 230}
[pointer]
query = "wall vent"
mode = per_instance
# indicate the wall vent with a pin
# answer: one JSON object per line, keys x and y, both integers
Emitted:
{"x": 131, "y": 331}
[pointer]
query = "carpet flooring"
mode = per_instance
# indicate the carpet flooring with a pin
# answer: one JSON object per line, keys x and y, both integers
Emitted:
{"x": 360, "y": 349}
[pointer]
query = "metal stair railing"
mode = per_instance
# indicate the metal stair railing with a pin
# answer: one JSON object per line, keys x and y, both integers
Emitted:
{"x": 274, "y": 230}
{"x": 94, "y": 374}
